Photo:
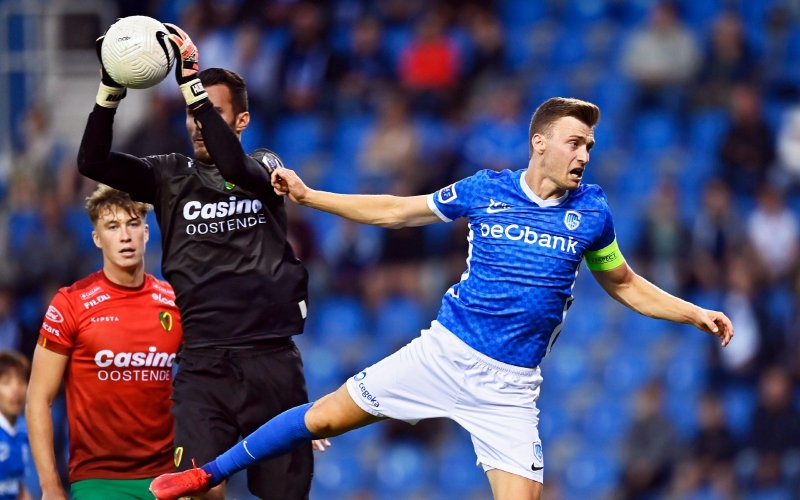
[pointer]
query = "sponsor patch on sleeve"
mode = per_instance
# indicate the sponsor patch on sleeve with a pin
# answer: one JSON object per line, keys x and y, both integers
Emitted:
{"x": 448, "y": 194}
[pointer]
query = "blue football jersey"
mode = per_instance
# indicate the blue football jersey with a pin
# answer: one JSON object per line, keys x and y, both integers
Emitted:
{"x": 13, "y": 457}
{"x": 524, "y": 255}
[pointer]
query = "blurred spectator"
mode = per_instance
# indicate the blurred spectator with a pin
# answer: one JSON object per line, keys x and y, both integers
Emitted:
{"x": 661, "y": 58}
{"x": 739, "y": 302}
{"x": 366, "y": 68}
{"x": 400, "y": 264}
{"x": 717, "y": 231}
{"x": 788, "y": 150}
{"x": 498, "y": 139}
{"x": 349, "y": 250}
{"x": 10, "y": 330}
{"x": 773, "y": 230}
{"x": 257, "y": 63}
{"x": 157, "y": 134}
{"x": 430, "y": 66}
{"x": 775, "y": 431}
{"x": 650, "y": 447}
{"x": 728, "y": 60}
{"x": 488, "y": 44}
{"x": 42, "y": 154}
{"x": 392, "y": 148}
{"x": 307, "y": 65}
{"x": 708, "y": 470}
{"x": 662, "y": 250}
{"x": 747, "y": 149}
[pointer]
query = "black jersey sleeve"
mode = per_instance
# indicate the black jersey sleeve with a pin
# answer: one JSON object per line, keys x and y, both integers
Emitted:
{"x": 229, "y": 157}
{"x": 120, "y": 171}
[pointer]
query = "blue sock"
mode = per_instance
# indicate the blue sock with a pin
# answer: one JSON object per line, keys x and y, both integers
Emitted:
{"x": 278, "y": 436}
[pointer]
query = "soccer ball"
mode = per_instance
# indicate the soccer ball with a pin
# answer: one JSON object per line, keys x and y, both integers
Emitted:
{"x": 132, "y": 53}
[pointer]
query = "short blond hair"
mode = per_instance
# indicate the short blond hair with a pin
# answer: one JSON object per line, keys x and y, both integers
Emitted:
{"x": 105, "y": 197}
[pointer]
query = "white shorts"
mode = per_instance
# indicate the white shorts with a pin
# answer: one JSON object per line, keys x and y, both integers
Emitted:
{"x": 438, "y": 375}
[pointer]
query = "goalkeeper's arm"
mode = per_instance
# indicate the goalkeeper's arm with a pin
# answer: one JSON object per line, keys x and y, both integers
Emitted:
{"x": 221, "y": 142}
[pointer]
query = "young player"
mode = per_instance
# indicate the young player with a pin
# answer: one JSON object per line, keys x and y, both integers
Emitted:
{"x": 14, "y": 372}
{"x": 111, "y": 338}
{"x": 241, "y": 290}
{"x": 478, "y": 363}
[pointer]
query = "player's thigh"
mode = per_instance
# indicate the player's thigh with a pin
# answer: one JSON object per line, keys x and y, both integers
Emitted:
{"x": 273, "y": 381}
{"x": 421, "y": 380}
{"x": 498, "y": 409}
{"x": 202, "y": 397}
{"x": 509, "y": 486}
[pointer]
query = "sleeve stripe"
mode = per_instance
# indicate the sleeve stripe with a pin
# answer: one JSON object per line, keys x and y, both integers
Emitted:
{"x": 52, "y": 346}
{"x": 606, "y": 258}
{"x": 435, "y": 209}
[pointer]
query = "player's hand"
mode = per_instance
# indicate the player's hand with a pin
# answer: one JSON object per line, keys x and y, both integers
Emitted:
{"x": 187, "y": 65}
{"x": 320, "y": 444}
{"x": 110, "y": 92}
{"x": 715, "y": 323}
{"x": 104, "y": 76}
{"x": 286, "y": 182}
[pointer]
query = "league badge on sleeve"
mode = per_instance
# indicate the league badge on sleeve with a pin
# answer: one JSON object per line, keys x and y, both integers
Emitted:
{"x": 448, "y": 194}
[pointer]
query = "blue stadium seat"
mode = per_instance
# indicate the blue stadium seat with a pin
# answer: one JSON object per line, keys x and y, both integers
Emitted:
{"x": 522, "y": 13}
{"x": 592, "y": 473}
{"x": 457, "y": 475}
{"x": 566, "y": 366}
{"x": 339, "y": 472}
{"x": 626, "y": 371}
{"x": 399, "y": 319}
{"x": 403, "y": 468}
{"x": 654, "y": 131}
{"x": 299, "y": 138}
{"x": 739, "y": 403}
{"x": 605, "y": 421}
{"x": 338, "y": 320}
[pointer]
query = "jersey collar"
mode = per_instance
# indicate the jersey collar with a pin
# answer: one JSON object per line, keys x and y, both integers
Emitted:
{"x": 6, "y": 425}
{"x": 534, "y": 198}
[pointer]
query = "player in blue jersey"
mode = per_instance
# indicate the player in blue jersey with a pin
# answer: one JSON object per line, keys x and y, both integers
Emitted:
{"x": 478, "y": 363}
{"x": 14, "y": 451}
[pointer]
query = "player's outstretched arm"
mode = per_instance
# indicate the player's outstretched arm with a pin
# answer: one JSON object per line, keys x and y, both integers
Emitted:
{"x": 221, "y": 142}
{"x": 46, "y": 375}
{"x": 379, "y": 210}
{"x": 632, "y": 290}
{"x": 95, "y": 159}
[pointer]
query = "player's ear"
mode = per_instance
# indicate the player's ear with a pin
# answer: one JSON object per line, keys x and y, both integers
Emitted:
{"x": 538, "y": 143}
{"x": 242, "y": 120}
{"x": 146, "y": 233}
{"x": 96, "y": 240}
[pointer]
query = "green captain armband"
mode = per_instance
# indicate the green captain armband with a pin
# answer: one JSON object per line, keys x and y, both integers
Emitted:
{"x": 605, "y": 258}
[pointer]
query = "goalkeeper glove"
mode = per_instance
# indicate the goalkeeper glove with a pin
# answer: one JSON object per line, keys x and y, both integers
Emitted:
{"x": 110, "y": 92}
{"x": 186, "y": 67}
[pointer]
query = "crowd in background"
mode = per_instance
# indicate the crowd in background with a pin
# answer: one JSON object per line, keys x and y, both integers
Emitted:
{"x": 698, "y": 149}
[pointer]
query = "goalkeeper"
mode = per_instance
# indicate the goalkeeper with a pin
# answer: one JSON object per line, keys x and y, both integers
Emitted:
{"x": 241, "y": 291}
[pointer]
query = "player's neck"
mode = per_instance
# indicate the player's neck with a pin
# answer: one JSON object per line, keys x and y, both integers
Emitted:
{"x": 541, "y": 186}
{"x": 129, "y": 278}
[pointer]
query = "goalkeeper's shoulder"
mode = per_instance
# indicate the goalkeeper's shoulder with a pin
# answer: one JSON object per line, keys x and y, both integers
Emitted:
{"x": 267, "y": 158}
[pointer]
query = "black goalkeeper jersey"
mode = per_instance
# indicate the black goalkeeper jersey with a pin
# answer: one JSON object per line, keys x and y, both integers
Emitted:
{"x": 225, "y": 248}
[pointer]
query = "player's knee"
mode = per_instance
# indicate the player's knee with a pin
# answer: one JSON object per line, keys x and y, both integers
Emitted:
{"x": 319, "y": 422}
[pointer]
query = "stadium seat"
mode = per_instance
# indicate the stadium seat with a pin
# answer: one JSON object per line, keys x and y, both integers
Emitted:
{"x": 627, "y": 371}
{"x": 592, "y": 473}
{"x": 338, "y": 321}
{"x": 402, "y": 468}
{"x": 298, "y": 138}
{"x": 399, "y": 319}
{"x": 339, "y": 472}
{"x": 739, "y": 403}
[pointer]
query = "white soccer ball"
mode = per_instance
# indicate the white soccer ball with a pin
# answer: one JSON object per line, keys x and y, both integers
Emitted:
{"x": 132, "y": 53}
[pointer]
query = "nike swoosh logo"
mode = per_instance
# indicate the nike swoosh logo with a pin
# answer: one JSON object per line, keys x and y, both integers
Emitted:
{"x": 534, "y": 468}
{"x": 244, "y": 444}
{"x": 493, "y": 210}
